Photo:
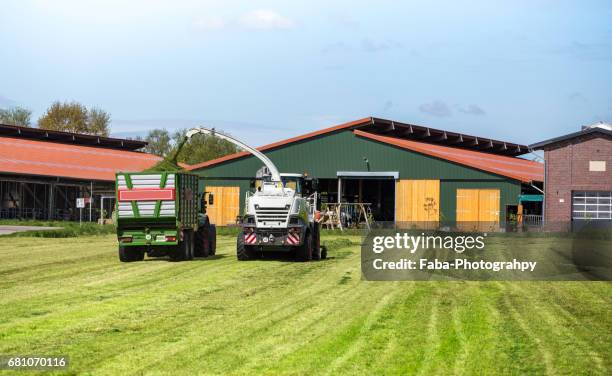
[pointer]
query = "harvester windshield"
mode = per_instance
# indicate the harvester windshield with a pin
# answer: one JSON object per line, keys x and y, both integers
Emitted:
{"x": 294, "y": 182}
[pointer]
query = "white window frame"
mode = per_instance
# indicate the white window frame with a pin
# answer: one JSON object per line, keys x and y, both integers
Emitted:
{"x": 592, "y": 205}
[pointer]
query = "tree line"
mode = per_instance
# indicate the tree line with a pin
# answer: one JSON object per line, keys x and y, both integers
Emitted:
{"x": 76, "y": 118}
{"x": 62, "y": 116}
{"x": 200, "y": 148}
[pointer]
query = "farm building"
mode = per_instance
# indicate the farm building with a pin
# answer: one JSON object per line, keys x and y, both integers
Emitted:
{"x": 578, "y": 182}
{"x": 42, "y": 172}
{"x": 403, "y": 172}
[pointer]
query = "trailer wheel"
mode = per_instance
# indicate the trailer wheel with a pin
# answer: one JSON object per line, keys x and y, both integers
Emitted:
{"x": 139, "y": 254}
{"x": 304, "y": 252}
{"x": 190, "y": 246}
{"x": 130, "y": 254}
{"x": 244, "y": 252}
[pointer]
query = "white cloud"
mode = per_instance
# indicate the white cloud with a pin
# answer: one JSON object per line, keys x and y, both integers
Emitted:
{"x": 472, "y": 109}
{"x": 436, "y": 108}
{"x": 263, "y": 19}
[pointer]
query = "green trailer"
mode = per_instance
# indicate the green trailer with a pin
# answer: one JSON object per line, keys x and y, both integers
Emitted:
{"x": 162, "y": 214}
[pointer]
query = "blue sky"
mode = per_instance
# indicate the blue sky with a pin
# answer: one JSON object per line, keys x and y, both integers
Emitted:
{"x": 520, "y": 71}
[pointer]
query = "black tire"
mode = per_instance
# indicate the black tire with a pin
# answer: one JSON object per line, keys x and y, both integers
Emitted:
{"x": 202, "y": 242}
{"x": 123, "y": 255}
{"x": 304, "y": 252}
{"x": 184, "y": 249}
{"x": 316, "y": 242}
{"x": 190, "y": 236}
{"x": 130, "y": 254}
{"x": 212, "y": 240}
{"x": 244, "y": 252}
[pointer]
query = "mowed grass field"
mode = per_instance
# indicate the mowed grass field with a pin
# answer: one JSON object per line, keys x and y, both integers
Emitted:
{"x": 219, "y": 316}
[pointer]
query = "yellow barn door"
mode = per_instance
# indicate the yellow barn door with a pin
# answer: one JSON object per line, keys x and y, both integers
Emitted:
{"x": 417, "y": 201}
{"x": 226, "y": 205}
{"x": 488, "y": 205}
{"x": 467, "y": 205}
{"x": 477, "y": 209}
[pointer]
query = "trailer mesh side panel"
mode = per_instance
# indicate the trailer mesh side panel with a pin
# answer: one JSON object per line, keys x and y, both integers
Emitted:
{"x": 139, "y": 209}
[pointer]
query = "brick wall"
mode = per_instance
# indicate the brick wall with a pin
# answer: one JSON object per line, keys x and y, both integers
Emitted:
{"x": 567, "y": 170}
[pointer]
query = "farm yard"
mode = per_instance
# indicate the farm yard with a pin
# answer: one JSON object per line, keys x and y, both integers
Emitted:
{"x": 218, "y": 316}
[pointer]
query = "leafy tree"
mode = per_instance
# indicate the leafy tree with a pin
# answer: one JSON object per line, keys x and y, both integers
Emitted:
{"x": 74, "y": 117}
{"x": 16, "y": 116}
{"x": 159, "y": 142}
{"x": 201, "y": 148}
{"x": 99, "y": 121}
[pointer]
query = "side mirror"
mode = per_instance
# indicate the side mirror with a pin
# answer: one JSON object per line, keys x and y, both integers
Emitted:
{"x": 211, "y": 199}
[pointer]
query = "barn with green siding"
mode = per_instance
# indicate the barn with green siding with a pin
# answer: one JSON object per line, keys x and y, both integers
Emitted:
{"x": 405, "y": 172}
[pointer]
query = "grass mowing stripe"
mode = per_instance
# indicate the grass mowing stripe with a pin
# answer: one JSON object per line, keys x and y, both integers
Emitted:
{"x": 366, "y": 325}
{"x": 526, "y": 327}
{"x": 556, "y": 320}
{"x": 220, "y": 316}
{"x": 247, "y": 331}
{"x": 293, "y": 306}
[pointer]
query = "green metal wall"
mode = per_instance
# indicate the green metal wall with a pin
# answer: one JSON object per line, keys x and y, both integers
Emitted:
{"x": 323, "y": 156}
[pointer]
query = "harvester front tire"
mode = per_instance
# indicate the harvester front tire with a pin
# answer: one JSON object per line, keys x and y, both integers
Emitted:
{"x": 304, "y": 252}
{"x": 244, "y": 252}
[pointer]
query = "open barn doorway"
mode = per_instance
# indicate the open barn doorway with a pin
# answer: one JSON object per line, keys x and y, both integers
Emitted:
{"x": 378, "y": 196}
{"x": 370, "y": 191}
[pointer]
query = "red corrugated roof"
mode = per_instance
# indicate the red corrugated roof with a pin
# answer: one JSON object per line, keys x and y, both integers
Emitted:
{"x": 282, "y": 143}
{"x": 515, "y": 168}
{"x": 70, "y": 161}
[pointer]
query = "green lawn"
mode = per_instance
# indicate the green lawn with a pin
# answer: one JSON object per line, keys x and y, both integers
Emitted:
{"x": 218, "y": 316}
